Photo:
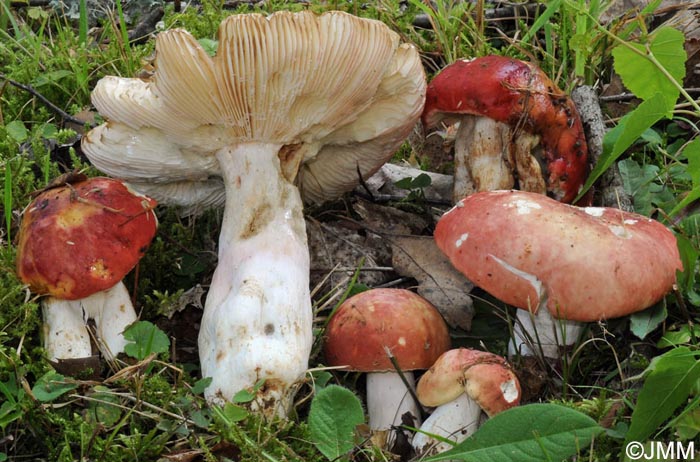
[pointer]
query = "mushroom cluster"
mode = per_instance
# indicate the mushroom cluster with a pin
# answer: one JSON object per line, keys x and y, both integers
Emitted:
{"x": 370, "y": 329}
{"x": 293, "y": 106}
{"x": 76, "y": 243}
{"x": 516, "y": 128}
{"x": 461, "y": 385}
{"x": 560, "y": 264}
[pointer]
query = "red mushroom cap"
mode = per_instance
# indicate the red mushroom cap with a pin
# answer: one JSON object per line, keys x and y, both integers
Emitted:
{"x": 486, "y": 377}
{"x": 81, "y": 238}
{"x": 518, "y": 94}
{"x": 397, "y": 319}
{"x": 592, "y": 263}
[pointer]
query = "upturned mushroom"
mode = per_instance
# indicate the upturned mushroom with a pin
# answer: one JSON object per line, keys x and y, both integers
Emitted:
{"x": 560, "y": 264}
{"x": 461, "y": 385}
{"x": 516, "y": 128}
{"x": 291, "y": 102}
{"x": 76, "y": 243}
{"x": 370, "y": 328}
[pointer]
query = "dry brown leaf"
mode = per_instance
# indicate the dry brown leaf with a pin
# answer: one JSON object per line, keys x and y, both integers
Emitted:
{"x": 446, "y": 288}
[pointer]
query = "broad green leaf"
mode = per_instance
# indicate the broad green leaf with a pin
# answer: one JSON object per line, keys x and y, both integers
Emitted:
{"x": 234, "y": 413}
{"x": 689, "y": 256}
{"x": 644, "y": 322}
{"x": 674, "y": 338}
{"x": 627, "y": 131}
{"x": 688, "y": 425}
{"x": 51, "y": 386}
{"x": 17, "y": 131}
{"x": 104, "y": 407}
{"x": 530, "y": 433}
{"x": 334, "y": 414}
{"x": 145, "y": 338}
{"x": 201, "y": 385}
{"x": 692, "y": 153}
{"x": 423, "y": 180}
{"x": 320, "y": 379}
{"x": 404, "y": 183}
{"x": 642, "y": 76}
{"x": 639, "y": 182}
{"x": 245, "y": 395}
{"x": 666, "y": 387}
{"x": 9, "y": 412}
{"x": 201, "y": 418}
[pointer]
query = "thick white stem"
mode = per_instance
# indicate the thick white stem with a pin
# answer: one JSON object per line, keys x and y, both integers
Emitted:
{"x": 387, "y": 400}
{"x": 455, "y": 421}
{"x": 66, "y": 334}
{"x": 482, "y": 157}
{"x": 550, "y": 332}
{"x": 257, "y": 322}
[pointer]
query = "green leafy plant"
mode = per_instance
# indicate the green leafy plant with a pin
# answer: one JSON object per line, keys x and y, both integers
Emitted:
{"x": 668, "y": 383}
{"x": 534, "y": 432}
{"x": 334, "y": 415}
{"x": 145, "y": 338}
{"x": 653, "y": 72}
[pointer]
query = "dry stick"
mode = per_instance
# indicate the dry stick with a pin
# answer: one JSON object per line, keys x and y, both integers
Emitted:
{"x": 29, "y": 89}
{"x": 409, "y": 387}
{"x": 612, "y": 192}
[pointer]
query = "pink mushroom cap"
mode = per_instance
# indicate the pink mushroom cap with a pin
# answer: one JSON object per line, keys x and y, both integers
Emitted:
{"x": 591, "y": 263}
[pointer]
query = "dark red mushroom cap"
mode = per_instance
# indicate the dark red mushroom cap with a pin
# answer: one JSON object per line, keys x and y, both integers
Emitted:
{"x": 399, "y": 320}
{"x": 81, "y": 238}
{"x": 591, "y": 263}
{"x": 521, "y": 95}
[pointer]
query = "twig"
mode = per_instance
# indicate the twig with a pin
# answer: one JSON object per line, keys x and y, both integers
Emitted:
{"x": 621, "y": 97}
{"x": 29, "y": 89}
{"x": 408, "y": 386}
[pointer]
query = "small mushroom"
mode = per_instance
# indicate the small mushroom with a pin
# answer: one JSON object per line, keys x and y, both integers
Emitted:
{"x": 293, "y": 105}
{"x": 76, "y": 243}
{"x": 553, "y": 260}
{"x": 515, "y": 126}
{"x": 461, "y": 384}
{"x": 371, "y": 327}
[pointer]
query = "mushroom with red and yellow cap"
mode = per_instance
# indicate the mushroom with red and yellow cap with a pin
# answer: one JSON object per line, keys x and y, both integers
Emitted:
{"x": 461, "y": 384}
{"x": 514, "y": 125}
{"x": 76, "y": 243}
{"x": 560, "y": 264}
{"x": 370, "y": 328}
{"x": 293, "y": 106}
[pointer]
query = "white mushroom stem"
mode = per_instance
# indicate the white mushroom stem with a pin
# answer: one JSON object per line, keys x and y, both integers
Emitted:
{"x": 65, "y": 323}
{"x": 257, "y": 322}
{"x": 540, "y": 332}
{"x": 482, "y": 156}
{"x": 533, "y": 332}
{"x": 455, "y": 421}
{"x": 387, "y": 400}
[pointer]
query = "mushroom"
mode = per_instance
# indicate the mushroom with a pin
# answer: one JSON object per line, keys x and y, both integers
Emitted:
{"x": 515, "y": 126}
{"x": 370, "y": 328}
{"x": 76, "y": 243}
{"x": 553, "y": 260}
{"x": 292, "y": 104}
{"x": 460, "y": 385}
